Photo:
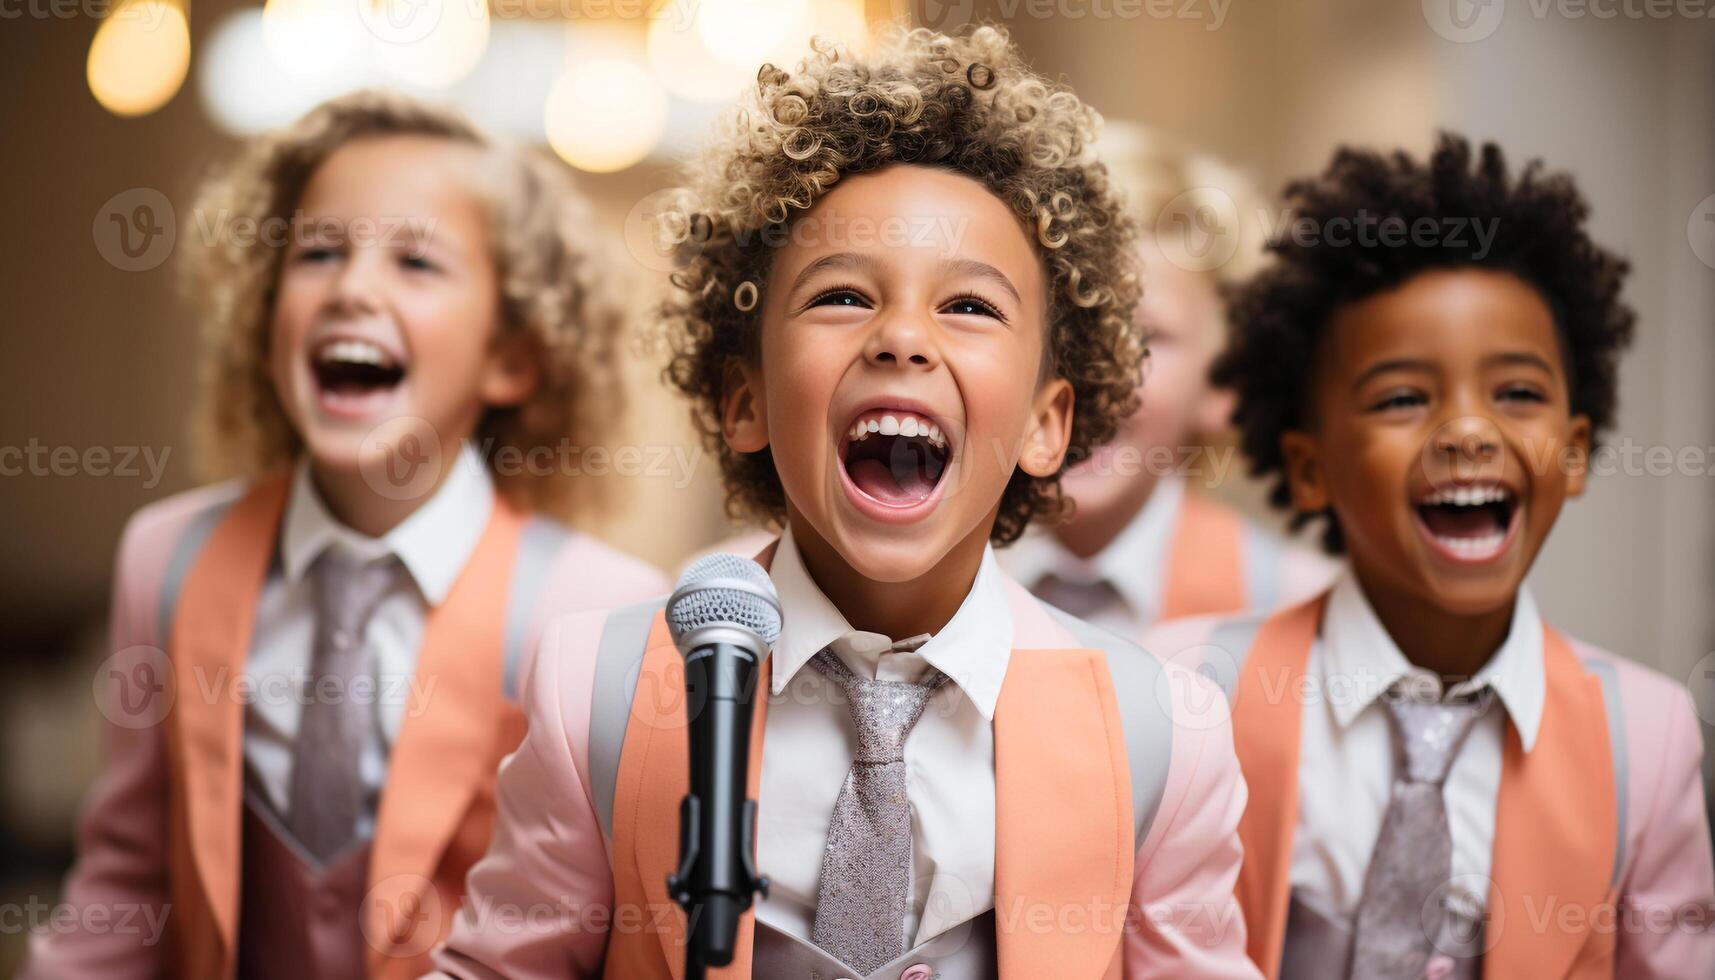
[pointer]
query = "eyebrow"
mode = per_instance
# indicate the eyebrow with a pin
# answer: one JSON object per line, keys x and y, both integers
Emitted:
{"x": 1522, "y": 357}
{"x": 982, "y": 270}
{"x": 1392, "y": 364}
{"x": 865, "y": 263}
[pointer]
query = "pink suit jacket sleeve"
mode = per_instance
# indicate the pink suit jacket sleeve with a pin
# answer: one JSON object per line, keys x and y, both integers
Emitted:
{"x": 537, "y": 906}
{"x": 1667, "y": 882}
{"x": 114, "y": 907}
{"x": 1189, "y": 921}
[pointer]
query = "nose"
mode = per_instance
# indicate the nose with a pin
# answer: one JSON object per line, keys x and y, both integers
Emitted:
{"x": 902, "y": 339}
{"x": 357, "y": 288}
{"x": 1466, "y": 444}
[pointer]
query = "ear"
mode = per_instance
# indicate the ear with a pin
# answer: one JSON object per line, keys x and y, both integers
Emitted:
{"x": 1050, "y": 429}
{"x": 1575, "y": 457}
{"x": 1304, "y": 476}
{"x": 1215, "y": 410}
{"x": 744, "y": 409}
{"x": 513, "y": 371}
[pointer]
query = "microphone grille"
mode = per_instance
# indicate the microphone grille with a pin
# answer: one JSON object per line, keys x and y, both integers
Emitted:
{"x": 724, "y": 588}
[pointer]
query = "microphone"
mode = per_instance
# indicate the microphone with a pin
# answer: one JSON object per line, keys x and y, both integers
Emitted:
{"x": 724, "y": 617}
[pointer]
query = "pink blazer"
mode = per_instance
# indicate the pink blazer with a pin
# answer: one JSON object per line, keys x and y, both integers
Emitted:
{"x": 1557, "y": 810}
{"x": 558, "y": 896}
{"x": 132, "y": 813}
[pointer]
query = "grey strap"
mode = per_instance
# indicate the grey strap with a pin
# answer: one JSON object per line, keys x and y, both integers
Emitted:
{"x": 1228, "y": 647}
{"x": 1138, "y": 681}
{"x": 1615, "y": 709}
{"x": 179, "y": 564}
{"x": 1263, "y": 567}
{"x": 619, "y": 661}
{"x": 539, "y": 545}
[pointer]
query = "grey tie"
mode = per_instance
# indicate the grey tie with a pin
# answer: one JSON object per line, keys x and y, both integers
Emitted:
{"x": 327, "y": 789}
{"x": 1082, "y": 599}
{"x": 865, "y": 885}
{"x": 1413, "y": 856}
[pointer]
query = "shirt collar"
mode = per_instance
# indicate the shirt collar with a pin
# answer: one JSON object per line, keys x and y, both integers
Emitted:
{"x": 1360, "y": 660}
{"x": 433, "y": 543}
{"x": 973, "y": 649}
{"x": 1133, "y": 563}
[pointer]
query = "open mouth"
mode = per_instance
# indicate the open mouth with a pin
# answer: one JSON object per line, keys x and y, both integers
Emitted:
{"x": 352, "y": 374}
{"x": 895, "y": 458}
{"x": 1471, "y": 523}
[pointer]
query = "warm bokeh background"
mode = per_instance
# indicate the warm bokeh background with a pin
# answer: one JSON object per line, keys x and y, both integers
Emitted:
{"x": 96, "y": 356}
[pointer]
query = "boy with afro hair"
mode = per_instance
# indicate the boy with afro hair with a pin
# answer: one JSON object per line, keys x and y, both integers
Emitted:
{"x": 1442, "y": 785}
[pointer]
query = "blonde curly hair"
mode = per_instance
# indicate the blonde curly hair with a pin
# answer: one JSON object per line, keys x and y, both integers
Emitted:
{"x": 965, "y": 103}
{"x": 550, "y": 288}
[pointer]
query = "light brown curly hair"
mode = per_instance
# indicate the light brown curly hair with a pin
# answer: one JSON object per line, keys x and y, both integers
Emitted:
{"x": 551, "y": 289}
{"x": 965, "y": 103}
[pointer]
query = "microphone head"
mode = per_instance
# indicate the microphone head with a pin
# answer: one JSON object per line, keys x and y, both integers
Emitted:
{"x": 725, "y": 590}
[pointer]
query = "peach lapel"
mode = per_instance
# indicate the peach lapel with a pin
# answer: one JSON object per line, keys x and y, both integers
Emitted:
{"x": 1266, "y": 731}
{"x": 1554, "y": 826}
{"x": 1063, "y": 822}
{"x": 446, "y": 745}
{"x": 1205, "y": 563}
{"x": 210, "y": 641}
{"x": 654, "y": 775}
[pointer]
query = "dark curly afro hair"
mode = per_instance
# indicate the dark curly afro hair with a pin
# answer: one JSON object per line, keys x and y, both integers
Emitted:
{"x": 1538, "y": 220}
{"x": 966, "y": 103}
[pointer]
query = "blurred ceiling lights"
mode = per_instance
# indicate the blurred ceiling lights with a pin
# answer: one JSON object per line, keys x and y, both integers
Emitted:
{"x": 603, "y": 92}
{"x": 139, "y": 56}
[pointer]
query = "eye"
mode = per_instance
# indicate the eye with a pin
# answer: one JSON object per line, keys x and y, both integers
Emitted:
{"x": 1399, "y": 399}
{"x": 841, "y": 296}
{"x": 972, "y": 305}
{"x": 1521, "y": 393}
{"x": 314, "y": 255}
{"x": 418, "y": 263}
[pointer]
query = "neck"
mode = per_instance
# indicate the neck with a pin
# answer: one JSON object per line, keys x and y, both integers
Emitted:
{"x": 350, "y": 499}
{"x": 1453, "y": 645}
{"x": 896, "y": 610}
{"x": 1091, "y": 530}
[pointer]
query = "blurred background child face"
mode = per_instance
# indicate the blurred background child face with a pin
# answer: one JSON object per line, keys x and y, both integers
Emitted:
{"x": 910, "y": 292}
{"x": 388, "y": 308}
{"x": 1182, "y": 312}
{"x": 1442, "y": 437}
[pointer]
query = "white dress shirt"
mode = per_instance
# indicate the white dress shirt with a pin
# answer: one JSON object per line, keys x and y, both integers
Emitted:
{"x": 433, "y": 545}
{"x": 1134, "y": 562}
{"x": 949, "y": 756}
{"x": 1347, "y": 759}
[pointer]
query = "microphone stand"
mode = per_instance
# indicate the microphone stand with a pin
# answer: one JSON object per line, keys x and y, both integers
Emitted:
{"x": 717, "y": 880}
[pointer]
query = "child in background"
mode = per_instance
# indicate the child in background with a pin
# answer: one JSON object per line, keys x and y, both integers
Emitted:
{"x": 405, "y": 321}
{"x": 1465, "y": 791}
{"x": 1142, "y": 545}
{"x": 909, "y": 292}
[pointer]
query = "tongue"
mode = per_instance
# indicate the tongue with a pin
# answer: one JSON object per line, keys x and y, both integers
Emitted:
{"x": 880, "y": 481}
{"x": 1460, "y": 522}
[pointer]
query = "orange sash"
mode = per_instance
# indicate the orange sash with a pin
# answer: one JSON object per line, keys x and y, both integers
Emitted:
{"x": 1205, "y": 563}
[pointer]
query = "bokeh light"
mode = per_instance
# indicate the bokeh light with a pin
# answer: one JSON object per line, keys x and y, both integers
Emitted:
{"x": 605, "y": 114}
{"x": 139, "y": 57}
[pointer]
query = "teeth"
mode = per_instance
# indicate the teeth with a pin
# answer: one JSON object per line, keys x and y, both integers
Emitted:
{"x": 1489, "y": 493}
{"x": 909, "y": 426}
{"x": 354, "y": 352}
{"x": 1477, "y": 548}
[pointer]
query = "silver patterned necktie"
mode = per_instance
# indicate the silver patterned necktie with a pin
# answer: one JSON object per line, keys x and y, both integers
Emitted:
{"x": 326, "y": 793}
{"x": 1413, "y": 856}
{"x": 865, "y": 885}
